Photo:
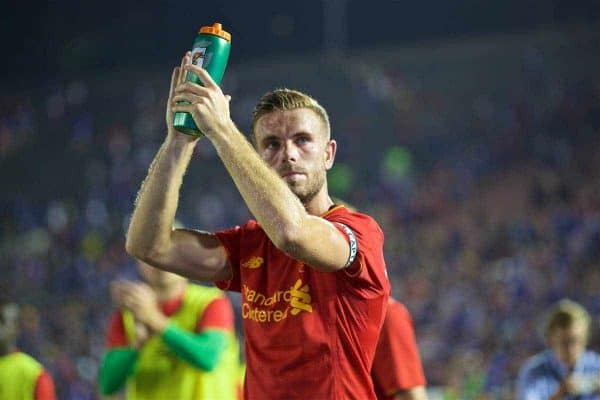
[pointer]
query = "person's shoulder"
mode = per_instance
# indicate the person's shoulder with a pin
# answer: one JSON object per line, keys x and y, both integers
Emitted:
{"x": 24, "y": 356}
{"x": 397, "y": 307}
{"x": 535, "y": 364}
{"x": 343, "y": 215}
{"x": 592, "y": 357}
{"x": 202, "y": 289}
{"x": 23, "y": 360}
{"x": 247, "y": 227}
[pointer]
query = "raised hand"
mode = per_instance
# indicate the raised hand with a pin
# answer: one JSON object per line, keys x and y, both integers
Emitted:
{"x": 207, "y": 104}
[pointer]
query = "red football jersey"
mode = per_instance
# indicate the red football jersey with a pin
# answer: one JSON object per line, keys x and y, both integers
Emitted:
{"x": 309, "y": 334}
{"x": 397, "y": 365}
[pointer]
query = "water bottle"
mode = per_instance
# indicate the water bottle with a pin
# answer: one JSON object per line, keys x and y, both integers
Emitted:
{"x": 211, "y": 52}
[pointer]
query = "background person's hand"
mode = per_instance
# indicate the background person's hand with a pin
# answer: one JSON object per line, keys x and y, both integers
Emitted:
{"x": 142, "y": 334}
{"x": 119, "y": 295}
{"x": 141, "y": 300}
{"x": 117, "y": 291}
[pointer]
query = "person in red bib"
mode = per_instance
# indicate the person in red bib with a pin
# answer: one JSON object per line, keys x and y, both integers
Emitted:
{"x": 311, "y": 274}
{"x": 397, "y": 370}
{"x": 21, "y": 376}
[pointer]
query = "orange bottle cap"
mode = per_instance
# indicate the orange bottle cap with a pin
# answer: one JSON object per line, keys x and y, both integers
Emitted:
{"x": 217, "y": 30}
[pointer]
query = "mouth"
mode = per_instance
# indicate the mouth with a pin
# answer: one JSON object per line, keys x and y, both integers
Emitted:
{"x": 290, "y": 174}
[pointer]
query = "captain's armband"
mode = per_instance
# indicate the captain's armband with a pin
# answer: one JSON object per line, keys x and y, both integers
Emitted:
{"x": 353, "y": 243}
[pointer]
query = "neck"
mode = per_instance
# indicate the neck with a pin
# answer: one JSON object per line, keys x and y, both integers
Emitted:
{"x": 319, "y": 204}
{"x": 169, "y": 292}
{"x": 7, "y": 348}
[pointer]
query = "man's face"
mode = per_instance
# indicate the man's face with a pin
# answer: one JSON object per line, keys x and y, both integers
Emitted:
{"x": 569, "y": 343}
{"x": 295, "y": 144}
{"x": 9, "y": 322}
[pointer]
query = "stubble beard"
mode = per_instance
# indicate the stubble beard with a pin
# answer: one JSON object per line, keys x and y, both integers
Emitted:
{"x": 311, "y": 189}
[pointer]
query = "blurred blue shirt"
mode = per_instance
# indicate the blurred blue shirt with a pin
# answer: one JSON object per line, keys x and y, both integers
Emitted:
{"x": 541, "y": 375}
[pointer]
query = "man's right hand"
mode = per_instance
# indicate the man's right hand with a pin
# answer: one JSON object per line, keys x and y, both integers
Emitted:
{"x": 118, "y": 293}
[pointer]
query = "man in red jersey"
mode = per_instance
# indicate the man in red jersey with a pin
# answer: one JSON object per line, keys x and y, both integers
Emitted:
{"x": 397, "y": 371}
{"x": 311, "y": 274}
{"x": 21, "y": 376}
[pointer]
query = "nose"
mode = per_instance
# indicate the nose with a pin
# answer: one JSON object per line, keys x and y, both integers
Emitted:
{"x": 290, "y": 151}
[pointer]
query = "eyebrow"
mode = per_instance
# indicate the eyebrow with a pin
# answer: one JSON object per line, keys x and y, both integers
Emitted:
{"x": 268, "y": 138}
{"x": 295, "y": 135}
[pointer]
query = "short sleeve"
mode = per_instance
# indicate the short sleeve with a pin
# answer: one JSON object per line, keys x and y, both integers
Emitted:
{"x": 366, "y": 275}
{"x": 397, "y": 365}
{"x": 356, "y": 259}
{"x": 230, "y": 239}
{"x": 218, "y": 314}
{"x": 44, "y": 387}
{"x": 115, "y": 334}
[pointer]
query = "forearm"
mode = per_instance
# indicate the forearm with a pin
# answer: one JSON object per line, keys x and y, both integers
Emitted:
{"x": 116, "y": 366}
{"x": 202, "y": 350}
{"x": 156, "y": 204}
{"x": 275, "y": 207}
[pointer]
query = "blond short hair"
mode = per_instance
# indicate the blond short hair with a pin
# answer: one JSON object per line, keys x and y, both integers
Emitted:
{"x": 564, "y": 314}
{"x": 284, "y": 99}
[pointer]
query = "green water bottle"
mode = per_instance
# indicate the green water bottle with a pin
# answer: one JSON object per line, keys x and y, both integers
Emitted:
{"x": 211, "y": 52}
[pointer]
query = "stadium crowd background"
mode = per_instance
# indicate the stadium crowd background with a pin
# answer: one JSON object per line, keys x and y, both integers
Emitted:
{"x": 480, "y": 158}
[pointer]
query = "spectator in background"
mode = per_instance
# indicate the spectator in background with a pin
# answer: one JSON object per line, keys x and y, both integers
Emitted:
{"x": 397, "y": 371}
{"x": 566, "y": 370}
{"x": 170, "y": 339}
{"x": 21, "y": 376}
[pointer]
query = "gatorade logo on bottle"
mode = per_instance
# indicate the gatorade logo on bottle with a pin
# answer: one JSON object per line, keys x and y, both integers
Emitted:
{"x": 198, "y": 56}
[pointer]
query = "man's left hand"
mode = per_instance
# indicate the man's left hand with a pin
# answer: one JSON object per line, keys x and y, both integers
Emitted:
{"x": 207, "y": 104}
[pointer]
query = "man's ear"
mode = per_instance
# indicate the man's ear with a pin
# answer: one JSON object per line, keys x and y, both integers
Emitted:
{"x": 330, "y": 149}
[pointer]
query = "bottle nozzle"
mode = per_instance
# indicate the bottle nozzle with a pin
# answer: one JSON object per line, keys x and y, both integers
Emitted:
{"x": 217, "y": 30}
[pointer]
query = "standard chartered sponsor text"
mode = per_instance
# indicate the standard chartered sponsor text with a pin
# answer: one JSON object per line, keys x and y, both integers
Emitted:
{"x": 259, "y": 315}
{"x": 297, "y": 297}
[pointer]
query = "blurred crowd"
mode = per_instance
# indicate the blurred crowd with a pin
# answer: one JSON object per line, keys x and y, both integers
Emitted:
{"x": 483, "y": 170}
